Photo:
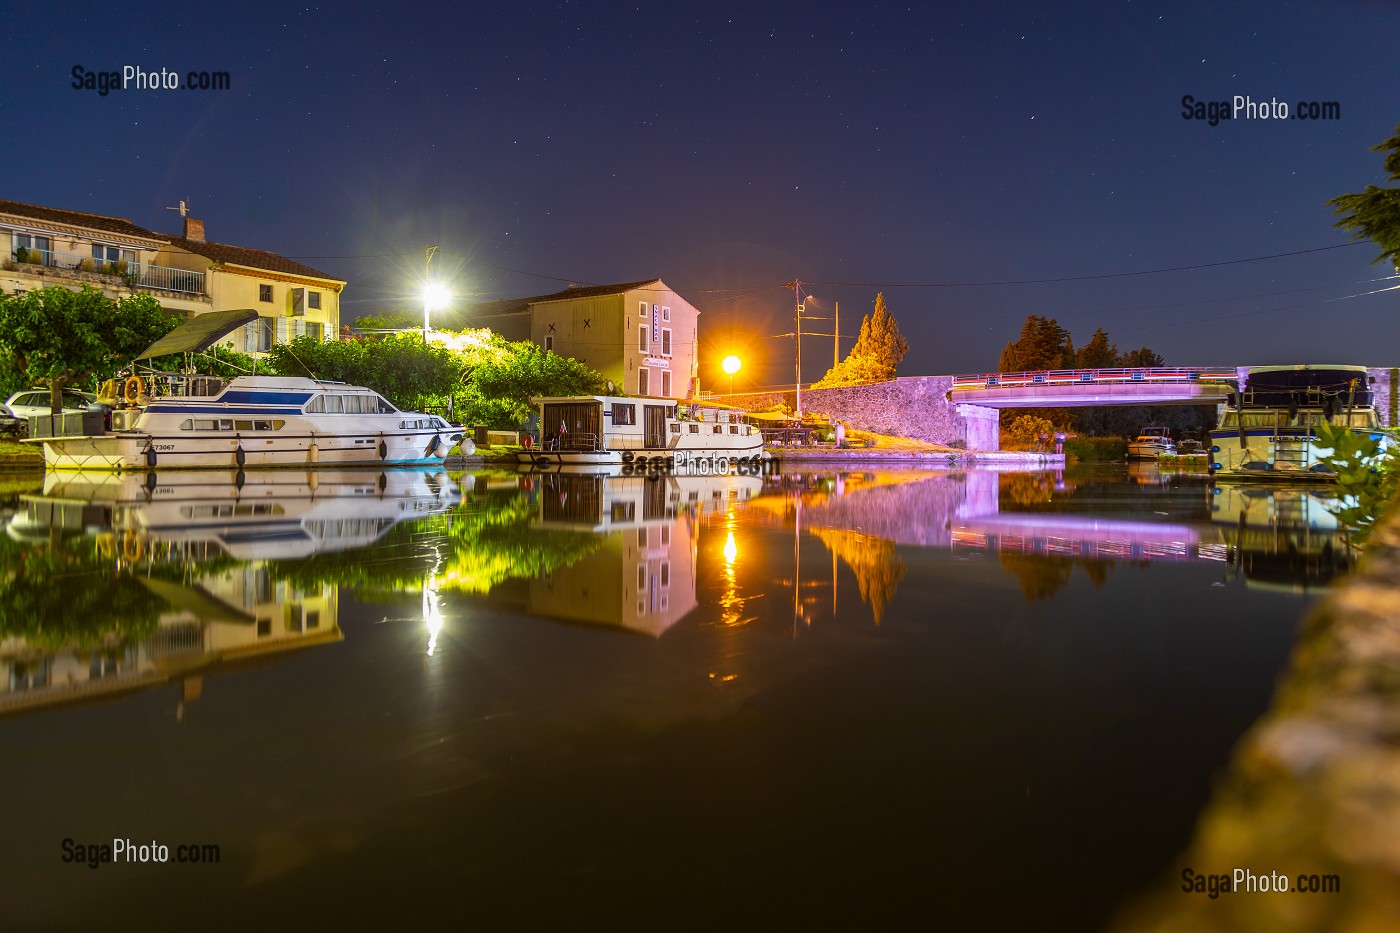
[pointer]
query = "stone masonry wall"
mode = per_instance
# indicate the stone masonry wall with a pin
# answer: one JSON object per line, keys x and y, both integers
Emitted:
{"x": 1385, "y": 395}
{"x": 910, "y": 406}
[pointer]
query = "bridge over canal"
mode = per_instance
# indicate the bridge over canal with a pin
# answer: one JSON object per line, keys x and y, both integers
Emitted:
{"x": 1071, "y": 388}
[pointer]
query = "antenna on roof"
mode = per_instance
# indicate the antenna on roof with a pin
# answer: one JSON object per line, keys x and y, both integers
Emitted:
{"x": 184, "y": 208}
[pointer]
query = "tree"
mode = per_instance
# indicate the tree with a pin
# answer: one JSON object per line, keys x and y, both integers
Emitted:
{"x": 398, "y": 367}
{"x": 1098, "y": 353}
{"x": 1374, "y": 214}
{"x": 1142, "y": 356}
{"x": 1043, "y": 344}
{"x": 876, "y": 355}
{"x": 498, "y": 386}
{"x": 57, "y": 338}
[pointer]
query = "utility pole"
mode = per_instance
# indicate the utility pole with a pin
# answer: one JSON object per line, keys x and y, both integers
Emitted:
{"x": 797, "y": 300}
{"x": 428, "y": 252}
{"x": 836, "y": 339}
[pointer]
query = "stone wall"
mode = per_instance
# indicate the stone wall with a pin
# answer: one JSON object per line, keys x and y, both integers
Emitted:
{"x": 910, "y": 406}
{"x": 1385, "y": 395}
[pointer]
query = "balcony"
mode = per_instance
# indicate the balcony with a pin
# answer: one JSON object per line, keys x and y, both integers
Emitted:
{"x": 142, "y": 275}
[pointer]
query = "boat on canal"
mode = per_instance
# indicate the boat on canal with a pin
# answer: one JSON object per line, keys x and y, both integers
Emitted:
{"x": 1268, "y": 429}
{"x": 181, "y": 421}
{"x": 1150, "y": 443}
{"x": 654, "y": 435}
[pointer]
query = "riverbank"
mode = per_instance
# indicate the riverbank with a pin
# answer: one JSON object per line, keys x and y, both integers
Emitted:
{"x": 1313, "y": 789}
{"x": 802, "y": 457}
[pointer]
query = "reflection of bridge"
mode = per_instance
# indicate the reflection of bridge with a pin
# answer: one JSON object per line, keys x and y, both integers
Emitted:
{"x": 1080, "y": 536}
{"x": 1069, "y": 388}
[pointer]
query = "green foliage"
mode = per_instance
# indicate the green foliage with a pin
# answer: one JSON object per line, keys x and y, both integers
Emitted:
{"x": 499, "y": 385}
{"x": 60, "y": 593}
{"x": 55, "y": 337}
{"x": 876, "y": 355}
{"x": 1098, "y": 353}
{"x": 1366, "y": 478}
{"x": 1096, "y": 448}
{"x": 392, "y": 320}
{"x": 1043, "y": 344}
{"x": 1374, "y": 214}
{"x": 1142, "y": 356}
{"x": 399, "y": 367}
{"x": 1025, "y": 433}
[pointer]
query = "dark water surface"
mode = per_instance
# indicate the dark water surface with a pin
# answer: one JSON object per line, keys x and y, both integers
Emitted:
{"x": 981, "y": 700}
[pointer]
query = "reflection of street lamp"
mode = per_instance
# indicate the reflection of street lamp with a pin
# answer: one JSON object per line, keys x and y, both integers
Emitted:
{"x": 731, "y": 365}
{"x": 435, "y": 295}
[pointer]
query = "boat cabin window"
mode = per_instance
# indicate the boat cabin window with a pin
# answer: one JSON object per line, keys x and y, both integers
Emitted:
{"x": 719, "y": 429}
{"x": 695, "y": 429}
{"x": 623, "y": 414}
{"x": 232, "y": 424}
{"x": 357, "y": 404}
{"x": 675, "y": 428}
{"x": 733, "y": 429}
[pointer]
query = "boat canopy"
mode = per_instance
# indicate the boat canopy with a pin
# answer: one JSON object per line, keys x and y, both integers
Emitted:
{"x": 199, "y": 333}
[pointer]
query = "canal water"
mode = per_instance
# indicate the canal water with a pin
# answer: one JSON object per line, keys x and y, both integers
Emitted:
{"x": 986, "y": 700}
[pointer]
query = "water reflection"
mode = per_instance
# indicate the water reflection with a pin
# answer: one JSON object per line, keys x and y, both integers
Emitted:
{"x": 114, "y": 583}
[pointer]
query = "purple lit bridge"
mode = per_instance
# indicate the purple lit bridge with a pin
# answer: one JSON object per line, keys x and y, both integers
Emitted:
{"x": 1070, "y": 388}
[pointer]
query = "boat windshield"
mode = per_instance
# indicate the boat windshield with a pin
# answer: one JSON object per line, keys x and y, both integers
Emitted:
{"x": 1279, "y": 418}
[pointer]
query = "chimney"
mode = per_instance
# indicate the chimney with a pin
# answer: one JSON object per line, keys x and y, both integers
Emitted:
{"x": 194, "y": 229}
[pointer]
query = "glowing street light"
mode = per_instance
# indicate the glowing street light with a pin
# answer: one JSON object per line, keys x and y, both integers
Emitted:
{"x": 435, "y": 295}
{"x": 731, "y": 365}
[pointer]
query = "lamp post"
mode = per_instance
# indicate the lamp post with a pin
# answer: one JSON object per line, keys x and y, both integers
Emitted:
{"x": 435, "y": 295}
{"x": 731, "y": 365}
{"x": 801, "y": 306}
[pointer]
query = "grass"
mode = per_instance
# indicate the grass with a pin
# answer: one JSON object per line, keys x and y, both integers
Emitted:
{"x": 14, "y": 450}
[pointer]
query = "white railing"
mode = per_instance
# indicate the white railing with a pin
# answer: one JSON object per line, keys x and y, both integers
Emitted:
{"x": 137, "y": 274}
{"x": 1117, "y": 375}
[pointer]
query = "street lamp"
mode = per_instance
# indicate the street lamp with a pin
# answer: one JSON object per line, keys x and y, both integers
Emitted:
{"x": 731, "y": 365}
{"x": 435, "y": 295}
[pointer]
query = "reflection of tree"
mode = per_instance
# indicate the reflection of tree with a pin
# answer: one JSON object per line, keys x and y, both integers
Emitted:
{"x": 1042, "y": 575}
{"x": 65, "y": 593}
{"x": 478, "y": 545}
{"x": 877, "y": 568}
{"x": 1026, "y": 489}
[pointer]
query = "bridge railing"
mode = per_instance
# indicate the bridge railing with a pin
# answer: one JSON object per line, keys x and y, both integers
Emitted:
{"x": 1115, "y": 376}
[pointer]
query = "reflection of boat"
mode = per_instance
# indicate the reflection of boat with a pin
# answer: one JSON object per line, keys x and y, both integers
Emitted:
{"x": 1151, "y": 442}
{"x": 1268, "y": 429}
{"x": 277, "y": 514}
{"x": 179, "y": 422}
{"x": 601, "y": 503}
{"x": 1283, "y": 536}
{"x": 596, "y": 430}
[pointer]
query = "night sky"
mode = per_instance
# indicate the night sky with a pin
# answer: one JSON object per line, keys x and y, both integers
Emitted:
{"x": 732, "y": 147}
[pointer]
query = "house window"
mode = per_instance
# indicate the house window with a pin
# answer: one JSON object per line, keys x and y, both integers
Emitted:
{"x": 665, "y": 314}
{"x": 313, "y": 300}
{"x": 316, "y": 330}
{"x": 642, "y": 344}
{"x": 111, "y": 254}
{"x": 258, "y": 335}
{"x": 642, "y": 309}
{"x": 38, "y": 249}
{"x": 666, "y": 383}
{"x": 264, "y": 293}
{"x": 642, "y": 381}
{"x": 665, "y": 341}
{"x": 548, "y": 342}
{"x": 624, "y": 414}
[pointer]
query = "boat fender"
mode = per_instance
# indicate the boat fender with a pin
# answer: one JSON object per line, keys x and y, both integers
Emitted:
{"x": 541, "y": 461}
{"x": 383, "y": 481}
{"x": 431, "y": 449}
{"x": 132, "y": 390}
{"x": 383, "y": 450}
{"x": 239, "y": 479}
{"x": 150, "y": 457}
{"x": 240, "y": 456}
{"x": 150, "y": 482}
{"x": 313, "y": 453}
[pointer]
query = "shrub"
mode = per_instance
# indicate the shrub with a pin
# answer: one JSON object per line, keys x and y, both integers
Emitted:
{"x": 1025, "y": 433}
{"x": 1096, "y": 448}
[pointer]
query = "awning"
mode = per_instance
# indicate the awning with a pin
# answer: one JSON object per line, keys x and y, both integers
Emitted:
{"x": 199, "y": 333}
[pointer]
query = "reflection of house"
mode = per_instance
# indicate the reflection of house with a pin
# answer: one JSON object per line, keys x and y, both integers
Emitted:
{"x": 41, "y": 246}
{"x": 643, "y": 578}
{"x": 639, "y": 335}
{"x": 213, "y": 622}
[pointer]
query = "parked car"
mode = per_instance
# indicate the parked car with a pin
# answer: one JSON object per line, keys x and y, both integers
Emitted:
{"x": 12, "y": 425}
{"x": 31, "y": 402}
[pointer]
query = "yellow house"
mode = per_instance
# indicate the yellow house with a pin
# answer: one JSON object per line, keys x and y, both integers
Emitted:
{"x": 640, "y": 335}
{"x": 44, "y": 246}
{"x": 292, "y": 299}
